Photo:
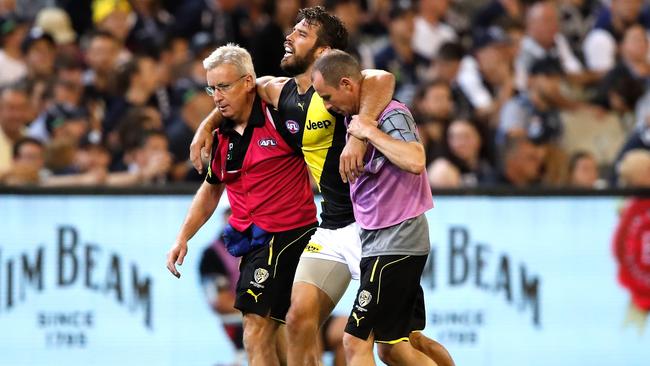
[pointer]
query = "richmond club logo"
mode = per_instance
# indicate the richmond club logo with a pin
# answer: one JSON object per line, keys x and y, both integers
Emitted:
{"x": 292, "y": 126}
{"x": 364, "y": 298}
{"x": 261, "y": 275}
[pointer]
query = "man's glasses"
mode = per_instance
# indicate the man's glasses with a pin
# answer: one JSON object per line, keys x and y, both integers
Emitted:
{"x": 222, "y": 88}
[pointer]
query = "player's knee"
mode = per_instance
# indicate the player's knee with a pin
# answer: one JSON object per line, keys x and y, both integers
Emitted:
{"x": 302, "y": 317}
{"x": 303, "y": 312}
{"x": 349, "y": 345}
{"x": 416, "y": 339}
{"x": 257, "y": 332}
{"x": 387, "y": 353}
{"x": 354, "y": 346}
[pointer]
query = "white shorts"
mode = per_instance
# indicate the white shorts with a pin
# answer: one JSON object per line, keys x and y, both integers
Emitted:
{"x": 341, "y": 245}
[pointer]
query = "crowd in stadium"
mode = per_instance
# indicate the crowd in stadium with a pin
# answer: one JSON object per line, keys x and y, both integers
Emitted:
{"x": 518, "y": 93}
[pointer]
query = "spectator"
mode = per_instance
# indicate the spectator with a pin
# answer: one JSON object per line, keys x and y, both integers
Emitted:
{"x": 60, "y": 157}
{"x": 634, "y": 52}
{"x": 101, "y": 55}
{"x": 61, "y": 160}
{"x": 444, "y": 174}
{"x": 67, "y": 94}
{"x": 515, "y": 33}
{"x": 576, "y": 19}
{"x": 163, "y": 89}
{"x": 201, "y": 46}
{"x": 28, "y": 163}
{"x": 634, "y": 65}
{"x": 267, "y": 45}
{"x": 377, "y": 18}
{"x": 196, "y": 105}
{"x": 39, "y": 50}
{"x": 136, "y": 82}
{"x": 433, "y": 110}
{"x": 56, "y": 22}
{"x": 60, "y": 120}
{"x": 175, "y": 55}
{"x": 152, "y": 23}
{"x": 543, "y": 40}
{"x": 351, "y": 14}
{"x": 114, "y": 17}
{"x": 14, "y": 116}
{"x": 486, "y": 76}
{"x": 129, "y": 134}
{"x": 29, "y": 168}
{"x": 399, "y": 57}
{"x": 12, "y": 64}
{"x": 69, "y": 81}
{"x": 495, "y": 13}
{"x": 639, "y": 139}
{"x": 226, "y": 21}
{"x": 92, "y": 158}
{"x": 521, "y": 163}
{"x": 619, "y": 92}
{"x": 430, "y": 31}
{"x": 634, "y": 169}
{"x": 583, "y": 171}
{"x": 453, "y": 85}
{"x": 600, "y": 45}
{"x": 465, "y": 152}
{"x": 445, "y": 67}
{"x": 150, "y": 161}
{"x": 68, "y": 123}
{"x": 534, "y": 113}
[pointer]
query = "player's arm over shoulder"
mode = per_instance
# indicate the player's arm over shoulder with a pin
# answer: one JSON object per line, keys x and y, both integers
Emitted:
{"x": 379, "y": 78}
{"x": 270, "y": 87}
{"x": 377, "y": 89}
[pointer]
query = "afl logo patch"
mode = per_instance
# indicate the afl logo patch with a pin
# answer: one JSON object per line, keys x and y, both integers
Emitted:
{"x": 261, "y": 275}
{"x": 292, "y": 126}
{"x": 267, "y": 142}
{"x": 364, "y": 298}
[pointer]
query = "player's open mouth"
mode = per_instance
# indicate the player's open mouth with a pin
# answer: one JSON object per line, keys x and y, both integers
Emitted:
{"x": 288, "y": 51}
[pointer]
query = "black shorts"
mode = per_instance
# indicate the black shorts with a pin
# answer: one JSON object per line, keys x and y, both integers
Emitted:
{"x": 419, "y": 319}
{"x": 266, "y": 274}
{"x": 390, "y": 301}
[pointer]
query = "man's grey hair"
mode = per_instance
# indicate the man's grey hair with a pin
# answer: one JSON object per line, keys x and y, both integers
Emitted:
{"x": 231, "y": 54}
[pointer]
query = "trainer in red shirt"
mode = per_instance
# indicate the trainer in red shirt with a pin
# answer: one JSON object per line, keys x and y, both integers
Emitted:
{"x": 267, "y": 183}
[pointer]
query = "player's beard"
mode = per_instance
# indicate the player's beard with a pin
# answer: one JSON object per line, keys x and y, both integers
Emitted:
{"x": 299, "y": 64}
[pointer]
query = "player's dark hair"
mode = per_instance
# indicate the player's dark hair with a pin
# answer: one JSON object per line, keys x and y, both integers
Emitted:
{"x": 331, "y": 31}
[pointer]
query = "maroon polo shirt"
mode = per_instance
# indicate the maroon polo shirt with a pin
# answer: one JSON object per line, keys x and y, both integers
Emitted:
{"x": 266, "y": 181}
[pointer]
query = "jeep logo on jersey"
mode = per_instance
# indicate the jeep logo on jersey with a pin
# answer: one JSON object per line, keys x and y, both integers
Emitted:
{"x": 314, "y": 125}
{"x": 292, "y": 126}
{"x": 364, "y": 298}
{"x": 267, "y": 142}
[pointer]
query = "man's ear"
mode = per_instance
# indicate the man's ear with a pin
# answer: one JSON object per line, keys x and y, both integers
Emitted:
{"x": 322, "y": 50}
{"x": 251, "y": 83}
{"x": 346, "y": 83}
